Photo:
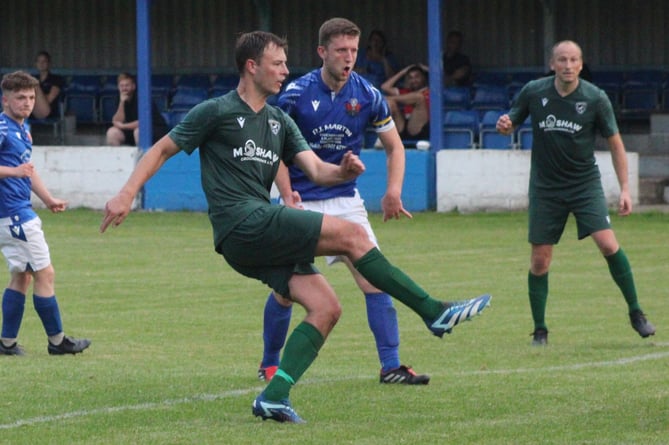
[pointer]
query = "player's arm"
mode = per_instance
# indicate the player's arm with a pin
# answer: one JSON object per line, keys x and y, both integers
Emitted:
{"x": 327, "y": 174}
{"x": 290, "y": 197}
{"x": 118, "y": 207}
{"x": 391, "y": 203}
{"x": 619, "y": 159}
{"x": 40, "y": 189}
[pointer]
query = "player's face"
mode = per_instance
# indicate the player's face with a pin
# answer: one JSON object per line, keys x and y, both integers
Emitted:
{"x": 567, "y": 62}
{"x": 339, "y": 56}
{"x": 19, "y": 104}
{"x": 272, "y": 70}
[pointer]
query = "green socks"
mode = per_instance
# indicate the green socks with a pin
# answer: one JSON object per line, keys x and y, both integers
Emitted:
{"x": 377, "y": 270}
{"x": 538, "y": 290}
{"x": 301, "y": 350}
{"x": 621, "y": 271}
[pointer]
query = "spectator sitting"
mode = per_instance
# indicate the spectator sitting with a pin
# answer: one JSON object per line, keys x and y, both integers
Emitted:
{"x": 457, "y": 66}
{"x": 125, "y": 122}
{"x": 375, "y": 62}
{"x": 51, "y": 87}
{"x": 410, "y": 105}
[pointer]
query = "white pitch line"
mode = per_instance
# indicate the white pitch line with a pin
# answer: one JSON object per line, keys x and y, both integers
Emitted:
{"x": 240, "y": 392}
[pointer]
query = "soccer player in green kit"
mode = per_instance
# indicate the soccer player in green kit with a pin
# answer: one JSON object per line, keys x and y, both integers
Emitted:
{"x": 241, "y": 141}
{"x": 566, "y": 113}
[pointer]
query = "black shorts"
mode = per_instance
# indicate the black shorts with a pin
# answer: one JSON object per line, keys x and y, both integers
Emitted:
{"x": 273, "y": 244}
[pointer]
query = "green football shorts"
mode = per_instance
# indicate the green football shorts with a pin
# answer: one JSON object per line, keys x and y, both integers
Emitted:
{"x": 274, "y": 243}
{"x": 548, "y": 215}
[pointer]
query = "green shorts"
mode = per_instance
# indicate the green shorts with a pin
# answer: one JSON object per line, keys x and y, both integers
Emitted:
{"x": 548, "y": 214}
{"x": 273, "y": 244}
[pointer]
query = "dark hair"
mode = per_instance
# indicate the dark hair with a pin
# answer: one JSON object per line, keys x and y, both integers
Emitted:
{"x": 457, "y": 34}
{"x": 251, "y": 45}
{"x": 379, "y": 34}
{"x": 17, "y": 81}
{"x": 336, "y": 27}
{"x": 419, "y": 69}
{"x": 45, "y": 54}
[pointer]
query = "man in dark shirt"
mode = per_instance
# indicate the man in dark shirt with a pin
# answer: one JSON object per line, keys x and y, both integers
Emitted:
{"x": 457, "y": 66}
{"x": 125, "y": 122}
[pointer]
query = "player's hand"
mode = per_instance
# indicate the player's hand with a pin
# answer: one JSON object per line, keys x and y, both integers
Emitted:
{"x": 57, "y": 205}
{"x": 24, "y": 170}
{"x": 293, "y": 200}
{"x": 351, "y": 166}
{"x": 625, "y": 204}
{"x": 504, "y": 125}
{"x": 392, "y": 208}
{"x": 116, "y": 210}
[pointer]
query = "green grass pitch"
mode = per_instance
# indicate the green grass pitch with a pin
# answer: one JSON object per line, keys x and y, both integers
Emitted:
{"x": 177, "y": 339}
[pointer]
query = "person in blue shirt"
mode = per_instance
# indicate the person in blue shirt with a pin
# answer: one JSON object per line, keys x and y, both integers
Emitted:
{"x": 21, "y": 238}
{"x": 375, "y": 62}
{"x": 332, "y": 106}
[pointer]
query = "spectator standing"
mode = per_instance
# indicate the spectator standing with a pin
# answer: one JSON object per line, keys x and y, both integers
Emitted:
{"x": 125, "y": 122}
{"x": 21, "y": 239}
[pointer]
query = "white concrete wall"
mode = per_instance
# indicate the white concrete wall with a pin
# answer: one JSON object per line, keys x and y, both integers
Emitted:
{"x": 496, "y": 180}
{"x": 467, "y": 180}
{"x": 83, "y": 176}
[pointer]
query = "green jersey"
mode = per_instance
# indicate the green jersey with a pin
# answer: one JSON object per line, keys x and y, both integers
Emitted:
{"x": 239, "y": 155}
{"x": 563, "y": 133}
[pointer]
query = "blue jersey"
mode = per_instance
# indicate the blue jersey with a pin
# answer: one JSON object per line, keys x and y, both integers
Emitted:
{"x": 332, "y": 124}
{"x": 15, "y": 149}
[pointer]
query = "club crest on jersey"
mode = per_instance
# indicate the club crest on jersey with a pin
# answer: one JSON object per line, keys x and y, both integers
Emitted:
{"x": 240, "y": 121}
{"x": 581, "y": 107}
{"x": 274, "y": 125}
{"x": 352, "y": 107}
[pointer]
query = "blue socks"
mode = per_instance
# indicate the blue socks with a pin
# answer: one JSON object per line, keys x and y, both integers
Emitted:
{"x": 382, "y": 319}
{"x": 275, "y": 329}
{"x": 13, "y": 305}
{"x": 381, "y": 316}
{"x": 47, "y": 309}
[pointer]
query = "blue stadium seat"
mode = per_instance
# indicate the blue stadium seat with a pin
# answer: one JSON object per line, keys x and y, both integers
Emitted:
{"x": 488, "y": 97}
{"x": 524, "y": 135}
{"x": 108, "y": 106}
{"x": 499, "y": 78}
{"x": 489, "y": 138}
{"x": 639, "y": 99}
{"x": 174, "y": 117}
{"x": 456, "y": 98}
{"x": 81, "y": 97}
{"x": 460, "y": 128}
{"x": 196, "y": 81}
{"x": 186, "y": 98}
{"x": 226, "y": 82}
{"x": 162, "y": 83}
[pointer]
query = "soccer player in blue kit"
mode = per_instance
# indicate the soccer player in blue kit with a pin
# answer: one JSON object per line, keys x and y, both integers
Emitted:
{"x": 21, "y": 238}
{"x": 333, "y": 106}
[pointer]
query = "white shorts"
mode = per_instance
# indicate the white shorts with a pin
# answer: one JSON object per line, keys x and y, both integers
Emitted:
{"x": 24, "y": 246}
{"x": 348, "y": 208}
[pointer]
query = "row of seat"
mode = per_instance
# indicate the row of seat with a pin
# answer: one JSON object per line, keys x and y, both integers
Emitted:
{"x": 634, "y": 94}
{"x": 465, "y": 129}
{"x": 94, "y": 99}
